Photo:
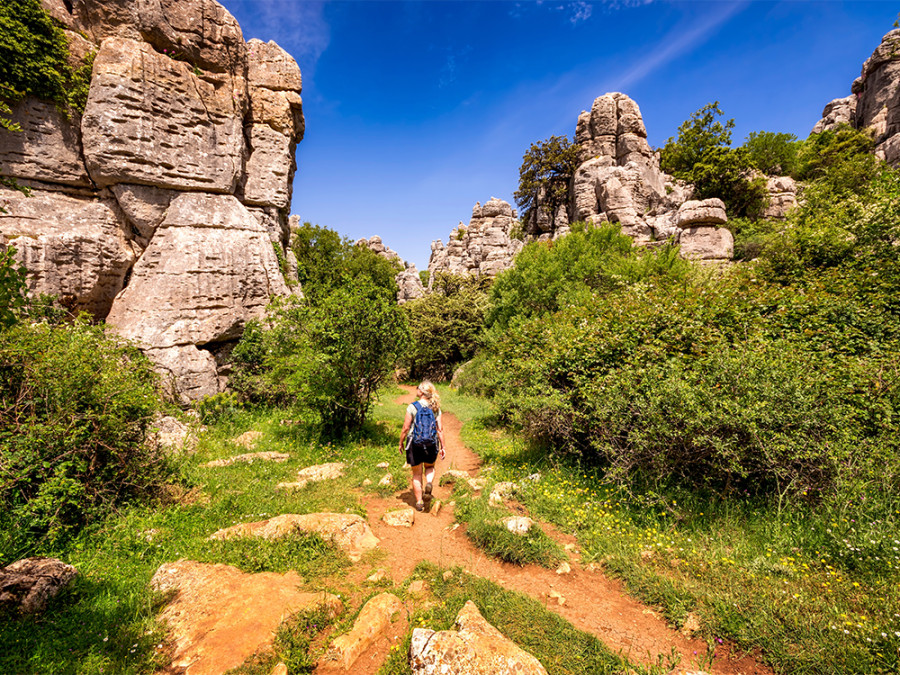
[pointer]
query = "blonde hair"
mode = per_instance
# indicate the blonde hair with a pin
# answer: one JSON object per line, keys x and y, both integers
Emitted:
{"x": 429, "y": 391}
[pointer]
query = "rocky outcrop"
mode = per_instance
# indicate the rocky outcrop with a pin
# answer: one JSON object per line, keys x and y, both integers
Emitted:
{"x": 782, "y": 194}
{"x": 485, "y": 247}
{"x": 617, "y": 181}
{"x": 26, "y": 586}
{"x": 474, "y": 648}
{"x": 158, "y": 207}
{"x": 373, "y": 621}
{"x": 409, "y": 283}
{"x": 700, "y": 236}
{"x": 875, "y": 100}
{"x": 218, "y": 616}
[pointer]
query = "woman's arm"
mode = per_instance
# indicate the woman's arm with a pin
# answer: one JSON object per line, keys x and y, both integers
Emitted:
{"x": 440, "y": 430}
{"x": 407, "y": 423}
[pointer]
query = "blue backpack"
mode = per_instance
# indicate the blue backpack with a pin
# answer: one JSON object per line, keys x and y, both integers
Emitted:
{"x": 425, "y": 424}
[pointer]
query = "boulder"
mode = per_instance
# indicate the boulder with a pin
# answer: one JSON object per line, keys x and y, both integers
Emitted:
{"x": 373, "y": 620}
{"x": 400, "y": 517}
{"x": 703, "y": 212}
{"x": 171, "y": 435}
{"x": 219, "y": 616}
{"x": 347, "y": 531}
{"x": 26, "y": 586}
{"x": 74, "y": 248}
{"x": 839, "y": 111}
{"x": 248, "y": 439}
{"x": 704, "y": 242}
{"x": 474, "y": 648}
{"x": 782, "y": 195}
{"x": 151, "y": 120}
{"x": 209, "y": 268}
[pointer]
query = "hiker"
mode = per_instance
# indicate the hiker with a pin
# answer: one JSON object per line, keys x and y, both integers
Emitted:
{"x": 424, "y": 437}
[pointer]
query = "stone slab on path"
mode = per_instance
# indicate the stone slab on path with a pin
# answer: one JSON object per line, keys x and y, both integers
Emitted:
{"x": 474, "y": 648}
{"x": 219, "y": 616}
{"x": 248, "y": 458}
{"x": 373, "y": 620}
{"x": 312, "y": 474}
{"x": 348, "y": 531}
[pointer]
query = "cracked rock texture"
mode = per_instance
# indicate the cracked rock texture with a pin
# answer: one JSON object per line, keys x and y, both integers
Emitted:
{"x": 159, "y": 208}
{"x": 874, "y": 102}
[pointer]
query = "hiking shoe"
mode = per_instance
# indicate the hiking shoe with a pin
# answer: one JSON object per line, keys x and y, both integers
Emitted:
{"x": 420, "y": 506}
{"x": 428, "y": 488}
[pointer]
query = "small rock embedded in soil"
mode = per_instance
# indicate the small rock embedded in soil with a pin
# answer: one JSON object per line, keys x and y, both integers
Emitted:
{"x": 435, "y": 507}
{"x": 248, "y": 439}
{"x": 556, "y": 595}
{"x": 312, "y": 474}
{"x": 564, "y": 568}
{"x": 518, "y": 524}
{"x": 447, "y": 575}
{"x": 383, "y": 465}
{"x": 417, "y": 588}
{"x": 376, "y": 576}
{"x": 280, "y": 669}
{"x": 400, "y": 517}
{"x": 386, "y": 480}
{"x": 248, "y": 458}
{"x": 374, "y": 619}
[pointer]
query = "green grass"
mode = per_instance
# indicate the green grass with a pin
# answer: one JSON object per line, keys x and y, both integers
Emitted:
{"x": 106, "y": 621}
{"x": 560, "y": 647}
{"x": 817, "y": 588}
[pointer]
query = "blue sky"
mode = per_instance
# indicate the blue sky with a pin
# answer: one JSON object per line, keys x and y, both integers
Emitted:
{"x": 416, "y": 110}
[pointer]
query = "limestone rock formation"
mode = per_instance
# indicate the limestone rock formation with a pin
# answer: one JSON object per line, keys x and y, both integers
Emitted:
{"x": 782, "y": 193}
{"x": 158, "y": 207}
{"x": 700, "y": 236}
{"x": 409, "y": 284}
{"x": 373, "y": 620}
{"x": 618, "y": 181}
{"x": 474, "y": 648}
{"x": 875, "y": 100}
{"x": 219, "y": 616}
{"x": 485, "y": 247}
{"x": 26, "y": 586}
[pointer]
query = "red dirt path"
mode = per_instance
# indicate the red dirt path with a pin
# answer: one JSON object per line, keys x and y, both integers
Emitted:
{"x": 593, "y": 602}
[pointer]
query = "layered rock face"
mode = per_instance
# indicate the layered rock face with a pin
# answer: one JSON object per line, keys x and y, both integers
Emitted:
{"x": 159, "y": 209}
{"x": 485, "y": 247}
{"x": 875, "y": 100}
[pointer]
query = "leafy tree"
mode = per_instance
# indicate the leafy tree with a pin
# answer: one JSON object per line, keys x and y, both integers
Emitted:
{"x": 544, "y": 176}
{"x": 325, "y": 260}
{"x": 326, "y": 358}
{"x": 840, "y": 158}
{"x": 728, "y": 174}
{"x": 12, "y": 287}
{"x": 773, "y": 154}
{"x": 697, "y": 136}
{"x": 446, "y": 326}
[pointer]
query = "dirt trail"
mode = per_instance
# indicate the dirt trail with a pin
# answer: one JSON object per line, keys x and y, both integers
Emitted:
{"x": 593, "y": 602}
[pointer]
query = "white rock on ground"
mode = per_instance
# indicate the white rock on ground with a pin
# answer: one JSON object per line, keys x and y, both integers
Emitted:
{"x": 373, "y": 620}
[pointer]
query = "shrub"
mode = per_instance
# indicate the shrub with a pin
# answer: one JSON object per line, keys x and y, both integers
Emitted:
{"x": 12, "y": 287}
{"x": 773, "y": 154}
{"x": 840, "y": 159}
{"x": 728, "y": 174}
{"x": 697, "y": 136}
{"x": 74, "y": 408}
{"x": 446, "y": 326}
{"x": 329, "y": 358}
{"x": 580, "y": 267}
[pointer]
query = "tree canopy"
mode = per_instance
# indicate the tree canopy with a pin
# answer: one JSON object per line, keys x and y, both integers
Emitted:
{"x": 544, "y": 176}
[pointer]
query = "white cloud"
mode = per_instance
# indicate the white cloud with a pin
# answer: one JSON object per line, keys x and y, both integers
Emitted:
{"x": 297, "y": 26}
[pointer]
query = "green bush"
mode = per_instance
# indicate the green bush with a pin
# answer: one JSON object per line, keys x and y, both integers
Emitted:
{"x": 12, "y": 287}
{"x": 773, "y": 154}
{"x": 74, "y": 408}
{"x": 728, "y": 175}
{"x": 697, "y": 136}
{"x": 328, "y": 357}
{"x": 580, "y": 267}
{"x": 446, "y": 326}
{"x": 840, "y": 158}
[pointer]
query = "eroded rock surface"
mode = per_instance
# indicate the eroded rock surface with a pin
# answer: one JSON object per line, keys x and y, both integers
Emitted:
{"x": 173, "y": 185}
{"x": 219, "y": 616}
{"x": 26, "y": 586}
{"x": 373, "y": 620}
{"x": 349, "y": 532}
{"x": 313, "y": 474}
{"x": 474, "y": 648}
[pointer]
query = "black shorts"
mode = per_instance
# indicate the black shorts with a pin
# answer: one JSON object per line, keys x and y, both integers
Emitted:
{"x": 421, "y": 452}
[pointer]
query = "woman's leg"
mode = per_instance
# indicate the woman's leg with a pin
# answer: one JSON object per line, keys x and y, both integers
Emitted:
{"x": 417, "y": 482}
{"x": 429, "y": 474}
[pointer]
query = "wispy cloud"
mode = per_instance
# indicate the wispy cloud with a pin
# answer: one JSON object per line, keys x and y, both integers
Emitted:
{"x": 298, "y": 27}
{"x": 449, "y": 70}
{"x": 575, "y": 12}
{"x": 675, "y": 44}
